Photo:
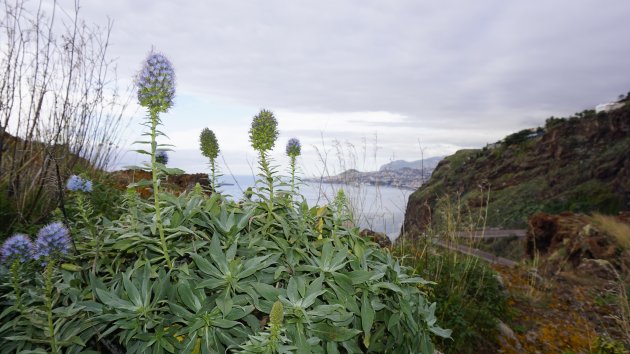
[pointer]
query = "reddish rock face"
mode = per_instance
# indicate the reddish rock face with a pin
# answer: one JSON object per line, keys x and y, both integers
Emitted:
{"x": 571, "y": 241}
{"x": 176, "y": 184}
{"x": 578, "y": 164}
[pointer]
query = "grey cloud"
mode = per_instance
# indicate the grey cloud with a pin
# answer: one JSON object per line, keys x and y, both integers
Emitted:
{"x": 456, "y": 65}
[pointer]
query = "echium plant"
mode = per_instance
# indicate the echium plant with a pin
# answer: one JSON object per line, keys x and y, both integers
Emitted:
{"x": 79, "y": 187}
{"x": 263, "y": 134}
{"x": 15, "y": 251}
{"x": 53, "y": 242}
{"x": 79, "y": 184}
{"x": 156, "y": 91}
{"x": 210, "y": 149}
{"x": 294, "y": 148}
{"x": 18, "y": 247}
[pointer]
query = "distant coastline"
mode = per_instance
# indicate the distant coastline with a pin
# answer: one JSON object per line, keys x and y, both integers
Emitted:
{"x": 403, "y": 178}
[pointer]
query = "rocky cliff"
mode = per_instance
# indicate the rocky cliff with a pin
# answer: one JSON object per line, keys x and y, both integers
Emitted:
{"x": 578, "y": 164}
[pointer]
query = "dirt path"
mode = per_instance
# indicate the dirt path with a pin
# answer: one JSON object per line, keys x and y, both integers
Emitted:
{"x": 477, "y": 253}
{"x": 493, "y": 233}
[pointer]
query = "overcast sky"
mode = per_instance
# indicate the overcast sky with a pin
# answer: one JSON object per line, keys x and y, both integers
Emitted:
{"x": 384, "y": 74}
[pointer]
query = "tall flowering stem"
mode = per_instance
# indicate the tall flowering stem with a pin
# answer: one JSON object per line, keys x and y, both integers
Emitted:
{"x": 210, "y": 149}
{"x": 294, "y": 148}
{"x": 263, "y": 134}
{"x": 15, "y": 282}
{"x": 48, "y": 287}
{"x": 156, "y": 91}
{"x": 80, "y": 187}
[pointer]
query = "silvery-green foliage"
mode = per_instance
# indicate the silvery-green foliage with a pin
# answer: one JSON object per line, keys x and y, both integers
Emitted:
{"x": 49, "y": 299}
{"x": 231, "y": 263}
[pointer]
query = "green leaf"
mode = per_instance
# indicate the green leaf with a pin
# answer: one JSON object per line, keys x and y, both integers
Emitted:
{"x": 292, "y": 291}
{"x": 367, "y": 318}
{"x": 444, "y": 333}
{"x": 331, "y": 348}
{"x": 333, "y": 334}
{"x": 224, "y": 302}
{"x": 217, "y": 255}
{"x": 253, "y": 265}
{"x": 141, "y": 183}
{"x": 180, "y": 311}
{"x": 394, "y": 321}
{"x": 211, "y": 283}
{"x": 113, "y": 301}
{"x": 360, "y": 276}
{"x": 188, "y": 297}
{"x": 205, "y": 266}
{"x": 267, "y": 291}
{"x": 132, "y": 291}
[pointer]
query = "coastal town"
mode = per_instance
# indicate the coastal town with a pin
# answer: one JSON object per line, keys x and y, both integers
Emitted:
{"x": 406, "y": 178}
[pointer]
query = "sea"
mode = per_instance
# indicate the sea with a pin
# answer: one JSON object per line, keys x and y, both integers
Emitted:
{"x": 379, "y": 208}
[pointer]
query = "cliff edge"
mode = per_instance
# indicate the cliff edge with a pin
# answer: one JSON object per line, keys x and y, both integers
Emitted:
{"x": 577, "y": 164}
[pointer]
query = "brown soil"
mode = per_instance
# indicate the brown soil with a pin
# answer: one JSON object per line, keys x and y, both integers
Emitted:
{"x": 572, "y": 292}
{"x": 564, "y": 313}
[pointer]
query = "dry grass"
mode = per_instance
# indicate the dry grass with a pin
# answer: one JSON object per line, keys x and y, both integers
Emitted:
{"x": 621, "y": 232}
{"x": 612, "y": 226}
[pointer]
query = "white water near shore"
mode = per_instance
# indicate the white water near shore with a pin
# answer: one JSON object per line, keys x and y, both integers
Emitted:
{"x": 379, "y": 208}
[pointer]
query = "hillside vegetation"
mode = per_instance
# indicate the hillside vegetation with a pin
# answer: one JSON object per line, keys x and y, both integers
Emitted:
{"x": 578, "y": 164}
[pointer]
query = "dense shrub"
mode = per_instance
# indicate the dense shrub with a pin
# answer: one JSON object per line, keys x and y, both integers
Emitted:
{"x": 339, "y": 291}
{"x": 203, "y": 274}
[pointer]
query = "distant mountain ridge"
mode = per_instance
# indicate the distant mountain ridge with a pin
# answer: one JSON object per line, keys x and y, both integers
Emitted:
{"x": 398, "y": 174}
{"x": 429, "y": 164}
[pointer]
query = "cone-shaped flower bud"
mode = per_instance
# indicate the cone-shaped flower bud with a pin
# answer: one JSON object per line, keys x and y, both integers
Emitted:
{"x": 264, "y": 131}
{"x": 277, "y": 313}
{"x": 161, "y": 157}
{"x": 156, "y": 83}
{"x": 294, "y": 148}
{"x": 209, "y": 144}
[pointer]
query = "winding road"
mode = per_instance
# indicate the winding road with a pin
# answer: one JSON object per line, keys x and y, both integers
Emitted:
{"x": 483, "y": 234}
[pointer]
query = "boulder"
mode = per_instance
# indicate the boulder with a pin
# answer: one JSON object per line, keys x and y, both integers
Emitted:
{"x": 378, "y": 237}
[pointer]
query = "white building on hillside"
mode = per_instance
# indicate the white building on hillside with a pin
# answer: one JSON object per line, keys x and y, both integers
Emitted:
{"x": 607, "y": 107}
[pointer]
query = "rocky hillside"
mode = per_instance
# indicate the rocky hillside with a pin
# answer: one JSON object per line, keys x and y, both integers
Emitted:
{"x": 578, "y": 164}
